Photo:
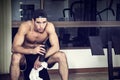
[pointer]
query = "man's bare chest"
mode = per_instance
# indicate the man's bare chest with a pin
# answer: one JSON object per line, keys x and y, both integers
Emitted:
{"x": 33, "y": 37}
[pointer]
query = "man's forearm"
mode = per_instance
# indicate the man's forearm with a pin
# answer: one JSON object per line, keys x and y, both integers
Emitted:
{"x": 22, "y": 50}
{"x": 51, "y": 51}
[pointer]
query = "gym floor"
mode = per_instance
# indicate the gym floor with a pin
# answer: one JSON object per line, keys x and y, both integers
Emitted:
{"x": 82, "y": 76}
{"x": 72, "y": 76}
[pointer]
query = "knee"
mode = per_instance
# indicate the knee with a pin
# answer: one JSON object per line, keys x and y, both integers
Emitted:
{"x": 61, "y": 57}
{"x": 15, "y": 58}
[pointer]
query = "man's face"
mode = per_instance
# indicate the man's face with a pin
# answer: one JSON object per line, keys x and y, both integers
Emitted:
{"x": 40, "y": 24}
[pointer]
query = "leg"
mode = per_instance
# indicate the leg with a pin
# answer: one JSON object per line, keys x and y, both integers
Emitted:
{"x": 14, "y": 67}
{"x": 61, "y": 59}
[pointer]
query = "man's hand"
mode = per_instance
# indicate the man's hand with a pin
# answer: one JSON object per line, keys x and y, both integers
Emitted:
{"x": 39, "y": 50}
{"x": 37, "y": 64}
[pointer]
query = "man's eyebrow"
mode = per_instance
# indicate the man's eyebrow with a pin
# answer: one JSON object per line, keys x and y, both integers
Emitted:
{"x": 40, "y": 21}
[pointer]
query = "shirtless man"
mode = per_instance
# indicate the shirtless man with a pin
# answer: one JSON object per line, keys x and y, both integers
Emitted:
{"x": 29, "y": 39}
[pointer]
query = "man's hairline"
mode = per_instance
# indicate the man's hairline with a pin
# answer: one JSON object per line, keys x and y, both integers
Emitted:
{"x": 38, "y": 17}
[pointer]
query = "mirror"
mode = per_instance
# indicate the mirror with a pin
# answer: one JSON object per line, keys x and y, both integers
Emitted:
{"x": 70, "y": 11}
{"x": 82, "y": 10}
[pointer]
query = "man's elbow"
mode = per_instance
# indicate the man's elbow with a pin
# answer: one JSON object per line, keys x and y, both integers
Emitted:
{"x": 57, "y": 48}
{"x": 14, "y": 49}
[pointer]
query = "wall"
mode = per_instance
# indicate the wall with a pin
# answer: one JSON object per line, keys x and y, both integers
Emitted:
{"x": 5, "y": 35}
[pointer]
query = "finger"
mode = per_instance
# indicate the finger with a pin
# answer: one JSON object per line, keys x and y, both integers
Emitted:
{"x": 41, "y": 53}
{"x": 35, "y": 67}
{"x": 42, "y": 45}
{"x": 38, "y": 66}
{"x": 43, "y": 50}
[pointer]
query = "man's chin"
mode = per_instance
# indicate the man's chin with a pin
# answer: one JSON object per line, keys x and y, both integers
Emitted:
{"x": 40, "y": 31}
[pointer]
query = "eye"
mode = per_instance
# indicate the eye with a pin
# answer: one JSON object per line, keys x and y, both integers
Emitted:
{"x": 38, "y": 22}
{"x": 44, "y": 22}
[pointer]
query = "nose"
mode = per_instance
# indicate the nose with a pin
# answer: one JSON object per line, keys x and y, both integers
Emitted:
{"x": 41, "y": 24}
{"x": 39, "y": 27}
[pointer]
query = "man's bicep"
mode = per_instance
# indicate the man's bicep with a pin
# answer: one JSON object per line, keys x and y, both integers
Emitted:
{"x": 18, "y": 39}
{"x": 54, "y": 39}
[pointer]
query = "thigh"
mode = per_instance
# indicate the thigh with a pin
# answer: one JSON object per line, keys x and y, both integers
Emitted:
{"x": 23, "y": 64}
{"x": 53, "y": 59}
{"x": 16, "y": 57}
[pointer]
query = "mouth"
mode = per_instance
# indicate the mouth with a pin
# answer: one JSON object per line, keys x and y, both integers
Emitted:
{"x": 40, "y": 30}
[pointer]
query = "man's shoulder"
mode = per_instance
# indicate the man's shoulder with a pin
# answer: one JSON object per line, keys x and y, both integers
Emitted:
{"x": 50, "y": 28}
{"x": 50, "y": 24}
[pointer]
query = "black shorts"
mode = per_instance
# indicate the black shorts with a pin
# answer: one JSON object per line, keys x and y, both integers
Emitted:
{"x": 30, "y": 59}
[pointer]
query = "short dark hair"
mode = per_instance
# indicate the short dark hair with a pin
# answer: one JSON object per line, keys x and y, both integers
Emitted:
{"x": 39, "y": 13}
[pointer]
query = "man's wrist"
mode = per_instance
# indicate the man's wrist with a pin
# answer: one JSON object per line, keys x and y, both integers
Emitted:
{"x": 31, "y": 51}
